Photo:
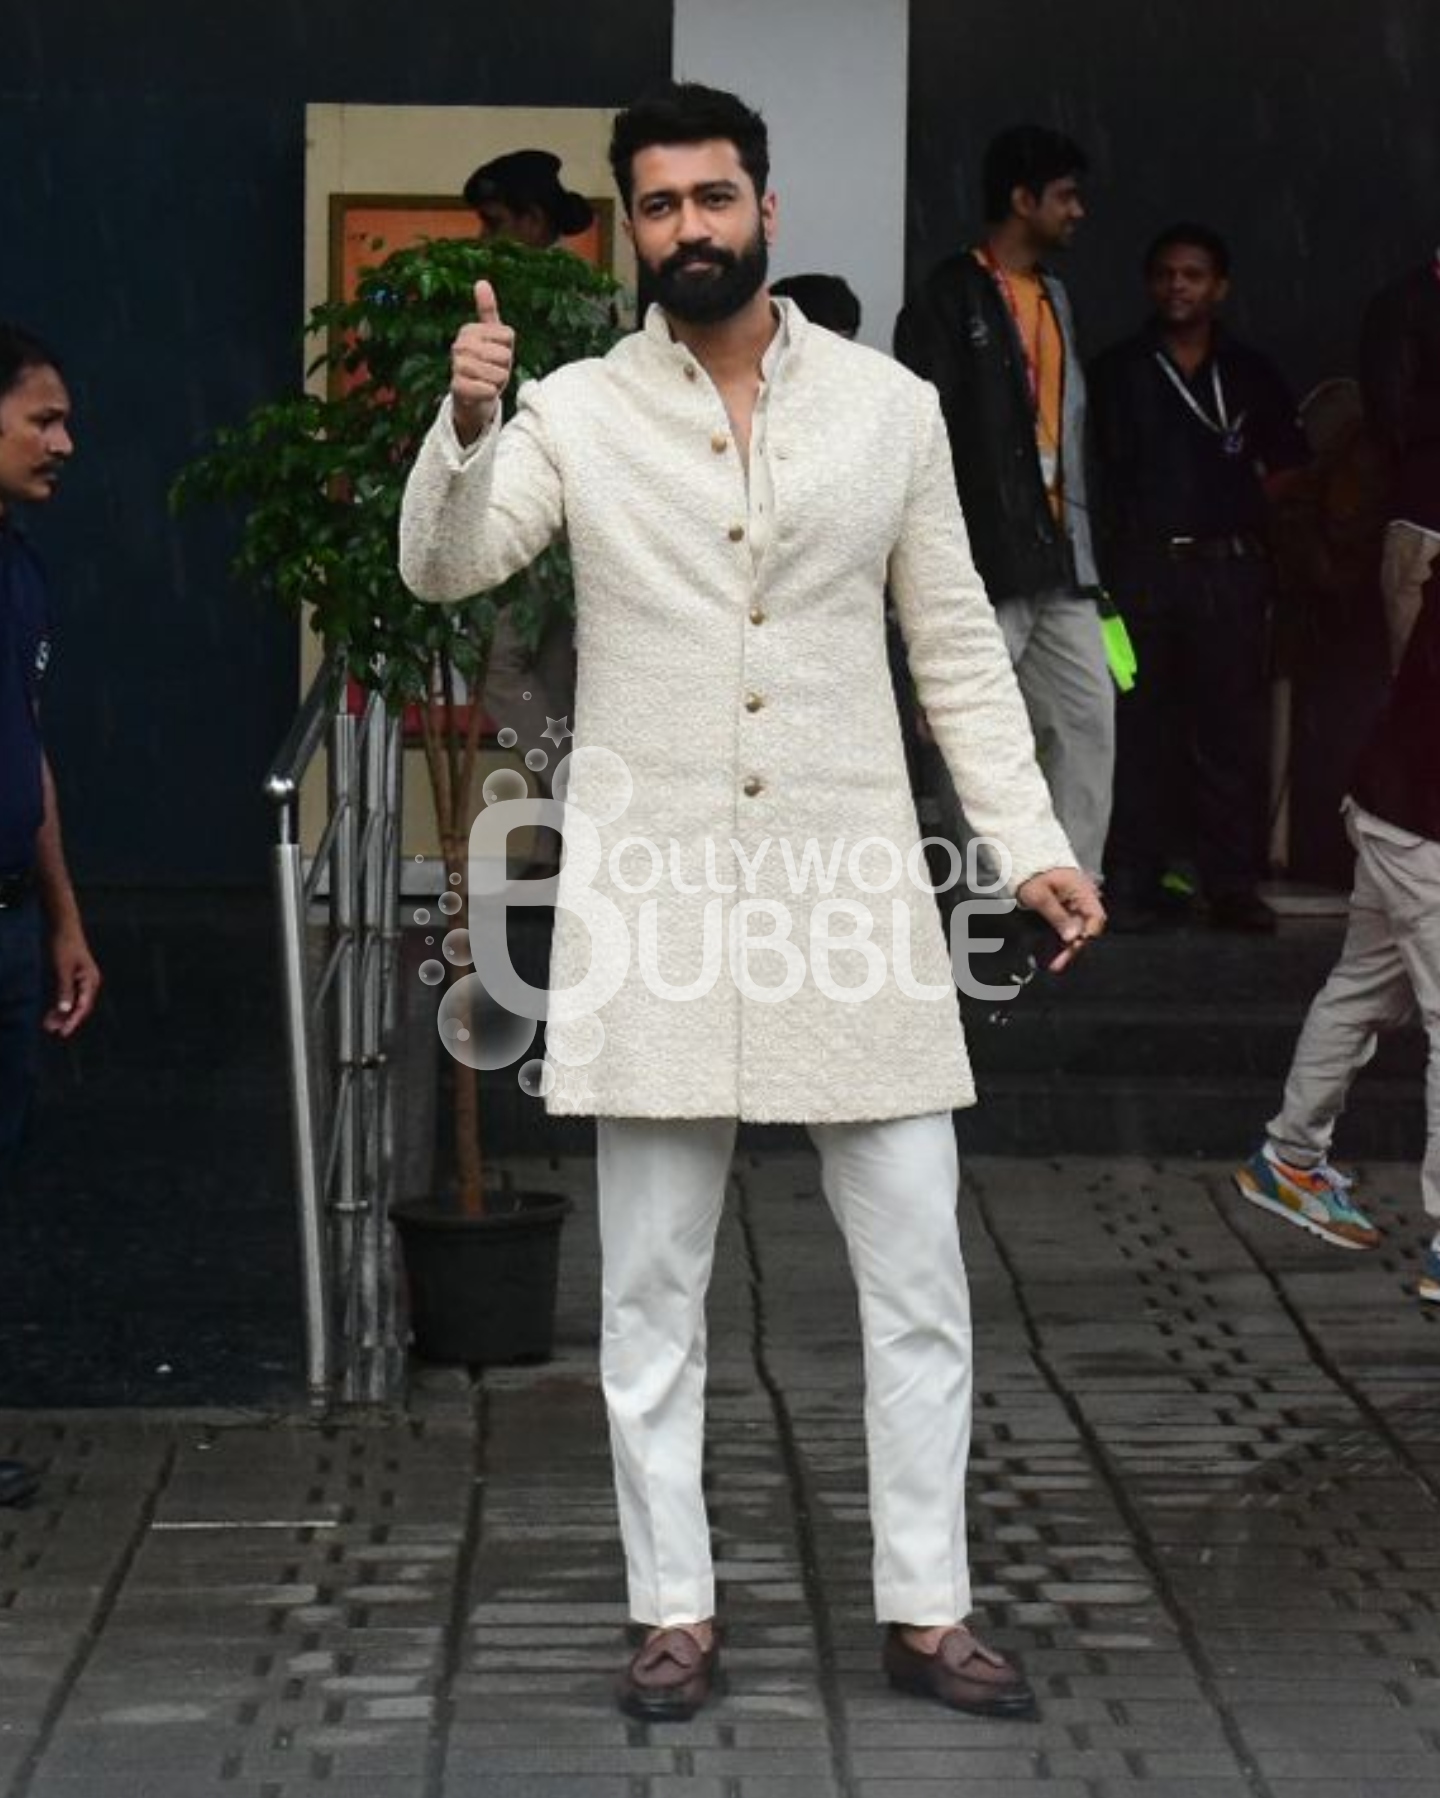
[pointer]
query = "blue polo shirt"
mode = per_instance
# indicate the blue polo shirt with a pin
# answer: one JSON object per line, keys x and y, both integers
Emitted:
{"x": 24, "y": 653}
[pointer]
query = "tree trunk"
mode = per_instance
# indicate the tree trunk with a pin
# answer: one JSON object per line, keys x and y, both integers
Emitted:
{"x": 450, "y": 756}
{"x": 469, "y": 1166}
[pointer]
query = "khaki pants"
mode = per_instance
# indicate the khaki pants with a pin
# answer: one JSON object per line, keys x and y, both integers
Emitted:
{"x": 1389, "y": 969}
{"x": 1405, "y": 566}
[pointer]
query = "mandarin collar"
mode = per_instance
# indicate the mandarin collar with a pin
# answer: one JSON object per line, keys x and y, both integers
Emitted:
{"x": 792, "y": 326}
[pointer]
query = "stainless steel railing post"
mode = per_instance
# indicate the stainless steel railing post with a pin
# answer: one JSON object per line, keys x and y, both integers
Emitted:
{"x": 314, "y": 1269}
{"x": 341, "y": 1014}
{"x": 344, "y": 801}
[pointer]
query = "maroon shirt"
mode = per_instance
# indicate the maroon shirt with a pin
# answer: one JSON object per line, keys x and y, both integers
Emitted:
{"x": 1400, "y": 374}
{"x": 1398, "y": 776}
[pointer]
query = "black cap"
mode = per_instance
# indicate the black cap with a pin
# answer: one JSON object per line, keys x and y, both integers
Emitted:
{"x": 521, "y": 179}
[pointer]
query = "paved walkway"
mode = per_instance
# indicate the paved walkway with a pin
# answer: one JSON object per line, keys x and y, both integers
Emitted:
{"x": 1205, "y": 1500}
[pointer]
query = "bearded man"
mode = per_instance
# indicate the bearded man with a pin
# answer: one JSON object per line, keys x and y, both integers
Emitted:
{"x": 738, "y": 488}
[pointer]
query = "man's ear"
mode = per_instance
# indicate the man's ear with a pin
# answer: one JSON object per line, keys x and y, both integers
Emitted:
{"x": 1222, "y": 290}
{"x": 629, "y": 227}
{"x": 769, "y": 214}
{"x": 1023, "y": 203}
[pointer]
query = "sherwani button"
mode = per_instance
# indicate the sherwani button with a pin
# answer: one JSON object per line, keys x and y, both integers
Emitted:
{"x": 737, "y": 533}
{"x": 756, "y": 615}
{"x": 719, "y": 443}
{"x": 753, "y": 786}
{"x": 753, "y": 702}
{"x": 689, "y": 371}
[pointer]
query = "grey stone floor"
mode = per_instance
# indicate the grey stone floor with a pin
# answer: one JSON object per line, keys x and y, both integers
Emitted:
{"x": 1205, "y": 1510}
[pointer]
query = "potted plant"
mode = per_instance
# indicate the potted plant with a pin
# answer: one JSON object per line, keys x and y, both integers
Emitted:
{"x": 320, "y": 481}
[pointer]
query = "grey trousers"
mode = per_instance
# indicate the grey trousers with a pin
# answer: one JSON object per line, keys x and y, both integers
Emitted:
{"x": 1388, "y": 970}
{"x": 1059, "y": 659}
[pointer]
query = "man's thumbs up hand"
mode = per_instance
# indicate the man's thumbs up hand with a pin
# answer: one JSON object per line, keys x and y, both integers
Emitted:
{"x": 480, "y": 360}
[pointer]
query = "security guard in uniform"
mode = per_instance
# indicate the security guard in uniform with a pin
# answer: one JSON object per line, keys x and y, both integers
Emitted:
{"x": 37, "y": 900}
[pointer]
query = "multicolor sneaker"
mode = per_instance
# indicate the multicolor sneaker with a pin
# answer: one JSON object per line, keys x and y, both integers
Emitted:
{"x": 1429, "y": 1287}
{"x": 1316, "y": 1198}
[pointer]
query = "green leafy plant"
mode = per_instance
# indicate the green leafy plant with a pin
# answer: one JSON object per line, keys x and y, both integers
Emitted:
{"x": 319, "y": 481}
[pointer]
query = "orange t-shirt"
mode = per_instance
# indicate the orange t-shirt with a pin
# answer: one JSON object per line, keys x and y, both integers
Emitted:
{"x": 1044, "y": 347}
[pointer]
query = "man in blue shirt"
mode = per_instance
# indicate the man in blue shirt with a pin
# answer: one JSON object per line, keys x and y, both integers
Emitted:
{"x": 37, "y": 900}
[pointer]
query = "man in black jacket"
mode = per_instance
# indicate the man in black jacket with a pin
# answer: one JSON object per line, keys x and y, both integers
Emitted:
{"x": 1388, "y": 970}
{"x": 991, "y": 327}
{"x": 1400, "y": 375}
{"x": 1193, "y": 432}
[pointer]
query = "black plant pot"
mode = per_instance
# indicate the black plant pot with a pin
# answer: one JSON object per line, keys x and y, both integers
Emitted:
{"x": 482, "y": 1289}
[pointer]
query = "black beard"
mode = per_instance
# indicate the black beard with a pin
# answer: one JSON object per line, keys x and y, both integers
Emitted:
{"x": 697, "y": 297}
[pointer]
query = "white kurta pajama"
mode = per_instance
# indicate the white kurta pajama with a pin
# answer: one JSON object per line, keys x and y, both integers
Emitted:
{"x": 744, "y": 683}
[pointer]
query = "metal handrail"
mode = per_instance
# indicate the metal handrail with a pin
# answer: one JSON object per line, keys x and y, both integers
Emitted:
{"x": 341, "y": 1008}
{"x": 302, "y": 740}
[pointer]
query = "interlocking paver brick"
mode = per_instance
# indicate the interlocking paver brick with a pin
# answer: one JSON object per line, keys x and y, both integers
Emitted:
{"x": 1205, "y": 1510}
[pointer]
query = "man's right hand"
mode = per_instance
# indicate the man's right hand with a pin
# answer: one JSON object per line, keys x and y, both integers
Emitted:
{"x": 480, "y": 360}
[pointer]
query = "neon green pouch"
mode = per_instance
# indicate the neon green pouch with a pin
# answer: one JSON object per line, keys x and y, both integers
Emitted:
{"x": 1119, "y": 650}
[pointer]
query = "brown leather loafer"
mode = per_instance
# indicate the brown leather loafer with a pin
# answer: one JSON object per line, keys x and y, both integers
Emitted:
{"x": 962, "y": 1673}
{"x": 668, "y": 1678}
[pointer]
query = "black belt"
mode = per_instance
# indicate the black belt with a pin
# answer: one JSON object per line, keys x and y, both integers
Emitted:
{"x": 14, "y": 888}
{"x": 1238, "y": 548}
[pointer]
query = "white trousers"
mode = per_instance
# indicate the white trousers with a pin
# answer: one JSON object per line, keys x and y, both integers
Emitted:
{"x": 1388, "y": 970}
{"x": 892, "y": 1188}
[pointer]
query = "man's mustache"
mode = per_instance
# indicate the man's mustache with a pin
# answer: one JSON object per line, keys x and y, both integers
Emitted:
{"x": 682, "y": 259}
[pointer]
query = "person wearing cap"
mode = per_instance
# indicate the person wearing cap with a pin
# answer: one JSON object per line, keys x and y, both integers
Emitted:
{"x": 37, "y": 900}
{"x": 520, "y": 196}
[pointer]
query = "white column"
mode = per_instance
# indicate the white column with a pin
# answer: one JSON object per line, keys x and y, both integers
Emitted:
{"x": 830, "y": 78}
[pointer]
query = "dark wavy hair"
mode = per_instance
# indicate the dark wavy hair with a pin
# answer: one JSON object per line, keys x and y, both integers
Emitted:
{"x": 827, "y": 300}
{"x": 684, "y": 112}
{"x": 21, "y": 350}
{"x": 1028, "y": 156}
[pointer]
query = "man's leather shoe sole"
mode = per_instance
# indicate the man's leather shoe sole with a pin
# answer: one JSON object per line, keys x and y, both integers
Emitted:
{"x": 962, "y": 1673}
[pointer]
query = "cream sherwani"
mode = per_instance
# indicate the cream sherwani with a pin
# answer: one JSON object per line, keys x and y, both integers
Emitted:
{"x": 731, "y": 646}
{"x": 745, "y": 687}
